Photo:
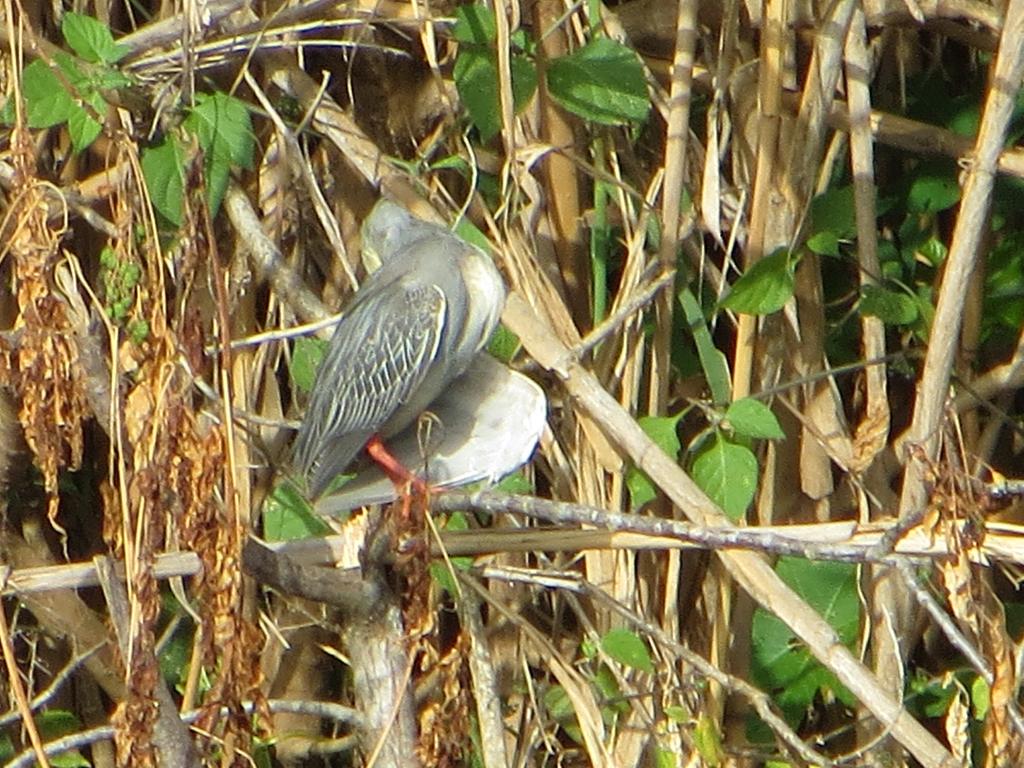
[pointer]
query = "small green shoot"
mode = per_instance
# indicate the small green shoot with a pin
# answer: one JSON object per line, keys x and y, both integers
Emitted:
{"x": 119, "y": 280}
{"x": 70, "y": 89}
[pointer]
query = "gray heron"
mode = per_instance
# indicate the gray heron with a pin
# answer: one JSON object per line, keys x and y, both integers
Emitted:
{"x": 414, "y": 326}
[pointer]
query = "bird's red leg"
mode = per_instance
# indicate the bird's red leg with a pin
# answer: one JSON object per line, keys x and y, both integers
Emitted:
{"x": 395, "y": 470}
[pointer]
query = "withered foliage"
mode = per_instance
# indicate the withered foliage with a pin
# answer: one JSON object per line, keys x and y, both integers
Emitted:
{"x": 140, "y": 427}
{"x": 44, "y": 366}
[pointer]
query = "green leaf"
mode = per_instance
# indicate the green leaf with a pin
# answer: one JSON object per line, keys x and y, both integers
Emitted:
{"x": 112, "y": 79}
{"x": 627, "y": 648}
{"x": 1004, "y": 285}
{"x": 665, "y": 758}
{"x": 287, "y": 515}
{"x": 70, "y": 759}
{"x": 307, "y": 353}
{"x": 71, "y": 68}
{"x": 830, "y": 588}
{"x": 476, "y": 80}
{"x": 560, "y": 709}
{"x": 52, "y": 724}
{"x": 55, "y": 723}
{"x": 337, "y": 483}
{"x": 439, "y": 569}
{"x": 222, "y": 125}
{"x": 261, "y": 753}
{"x": 91, "y": 39}
{"x": 752, "y": 418}
{"x": 476, "y": 70}
{"x": 712, "y": 361}
{"x": 516, "y": 483}
{"x": 824, "y": 243}
{"x": 588, "y": 648}
{"x": 82, "y": 127}
{"x": 934, "y": 188}
{"x": 614, "y": 703}
{"x": 472, "y": 234}
{"x": 503, "y": 344}
{"x": 641, "y": 489}
{"x": 677, "y": 714}
{"x": 6, "y": 749}
{"x": 727, "y": 472}
{"x": 524, "y": 81}
{"x": 930, "y": 696}
{"x": 780, "y": 662}
{"x": 558, "y": 704}
{"x": 474, "y": 24}
{"x": 162, "y": 167}
{"x": 707, "y": 738}
{"x": 765, "y": 287}
{"x": 981, "y": 698}
{"x": 934, "y": 250}
{"x": 175, "y": 655}
{"x": 603, "y": 81}
{"x": 834, "y": 212}
{"x": 452, "y": 163}
{"x": 662, "y": 430}
{"x": 47, "y": 103}
{"x": 891, "y": 307}
{"x": 834, "y": 219}
{"x": 924, "y": 296}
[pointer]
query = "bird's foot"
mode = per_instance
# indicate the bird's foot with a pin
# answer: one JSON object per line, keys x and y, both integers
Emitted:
{"x": 406, "y": 482}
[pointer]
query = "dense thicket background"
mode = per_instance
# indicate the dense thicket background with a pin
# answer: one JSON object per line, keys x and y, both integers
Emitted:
{"x": 782, "y": 241}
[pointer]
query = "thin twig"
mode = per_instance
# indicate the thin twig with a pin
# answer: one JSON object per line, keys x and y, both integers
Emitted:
{"x": 43, "y": 697}
{"x": 954, "y": 635}
{"x": 838, "y": 541}
{"x": 325, "y": 709}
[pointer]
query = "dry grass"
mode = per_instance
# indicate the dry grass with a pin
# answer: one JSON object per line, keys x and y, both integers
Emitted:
{"x": 171, "y": 443}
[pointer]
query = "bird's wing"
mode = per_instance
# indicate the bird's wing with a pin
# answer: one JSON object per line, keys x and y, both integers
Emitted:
{"x": 489, "y": 421}
{"x": 381, "y": 351}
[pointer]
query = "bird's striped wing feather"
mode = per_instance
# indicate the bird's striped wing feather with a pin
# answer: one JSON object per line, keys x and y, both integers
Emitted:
{"x": 379, "y": 355}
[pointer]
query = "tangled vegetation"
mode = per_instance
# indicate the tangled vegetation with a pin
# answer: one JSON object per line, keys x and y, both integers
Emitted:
{"x": 766, "y": 261}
